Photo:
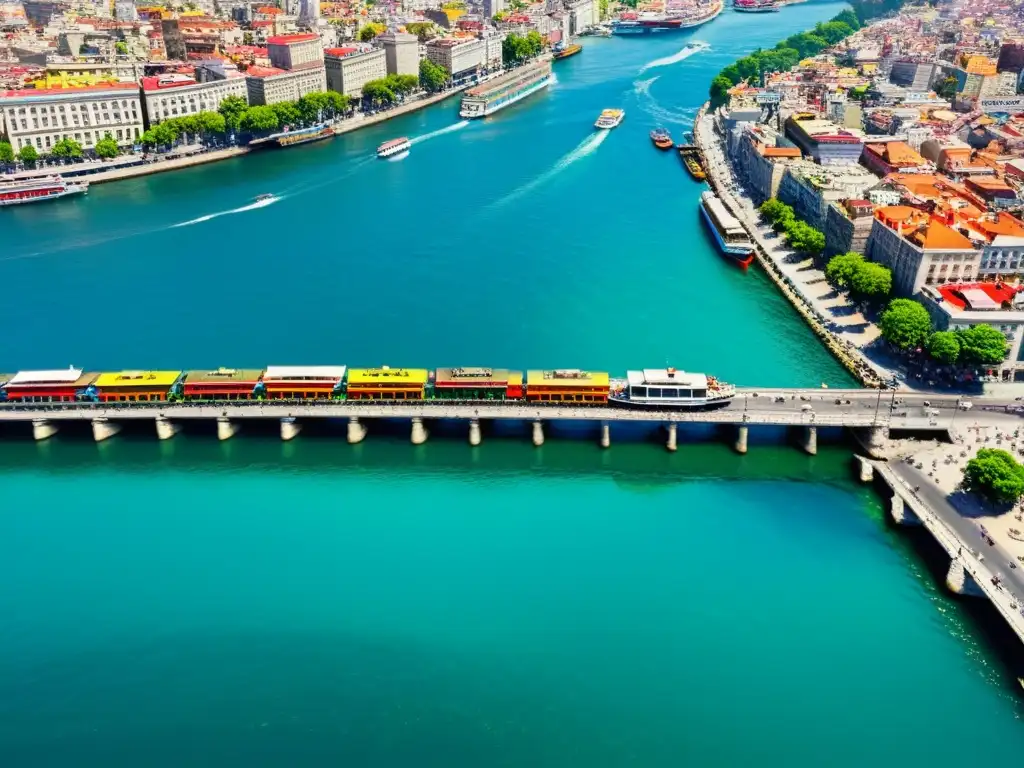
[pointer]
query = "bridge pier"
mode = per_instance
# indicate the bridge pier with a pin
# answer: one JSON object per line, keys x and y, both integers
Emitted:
{"x": 873, "y": 440}
{"x": 866, "y": 469}
{"x": 538, "y": 433}
{"x": 226, "y": 428}
{"x": 474, "y": 431}
{"x": 960, "y": 582}
{"x": 104, "y": 429}
{"x": 165, "y": 428}
{"x": 741, "y": 438}
{"x": 290, "y": 428}
{"x": 810, "y": 441}
{"x": 901, "y": 513}
{"x": 606, "y": 435}
{"x": 356, "y": 431}
{"x": 419, "y": 432}
{"x": 43, "y": 429}
{"x": 671, "y": 443}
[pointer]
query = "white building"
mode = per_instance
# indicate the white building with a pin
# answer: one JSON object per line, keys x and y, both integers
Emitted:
{"x": 309, "y": 13}
{"x": 402, "y": 53}
{"x": 42, "y": 117}
{"x": 268, "y": 85}
{"x": 294, "y": 51}
{"x": 492, "y": 51}
{"x": 457, "y": 55}
{"x": 348, "y": 69}
{"x": 169, "y": 96}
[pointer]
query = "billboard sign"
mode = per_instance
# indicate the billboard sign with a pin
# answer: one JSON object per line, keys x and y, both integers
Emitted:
{"x": 769, "y": 97}
{"x": 1010, "y": 105}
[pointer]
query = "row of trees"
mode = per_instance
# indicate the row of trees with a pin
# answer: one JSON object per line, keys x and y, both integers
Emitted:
{"x": 515, "y": 49}
{"x": 800, "y": 236}
{"x": 907, "y": 325}
{"x": 865, "y": 279}
{"x": 63, "y": 150}
{"x": 388, "y": 90}
{"x": 785, "y": 55}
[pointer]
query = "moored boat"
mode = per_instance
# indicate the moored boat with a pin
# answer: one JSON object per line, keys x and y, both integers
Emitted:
{"x": 610, "y": 118}
{"x": 692, "y": 161}
{"x": 487, "y": 98}
{"x": 393, "y": 147}
{"x": 755, "y": 6}
{"x": 661, "y": 138}
{"x": 729, "y": 235}
{"x": 34, "y": 190}
{"x": 302, "y": 136}
{"x": 563, "y": 51}
{"x": 673, "y": 20}
{"x": 668, "y": 388}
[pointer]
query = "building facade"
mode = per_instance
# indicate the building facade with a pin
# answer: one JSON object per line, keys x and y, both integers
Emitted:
{"x": 170, "y": 96}
{"x": 847, "y": 227}
{"x": 348, "y": 69}
{"x": 42, "y": 117}
{"x": 267, "y": 85}
{"x": 294, "y": 51}
{"x": 401, "y": 53}
{"x": 809, "y": 188}
{"x": 824, "y": 141}
{"x": 458, "y": 55}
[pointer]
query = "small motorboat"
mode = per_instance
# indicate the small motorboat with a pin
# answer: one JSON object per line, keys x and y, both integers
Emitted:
{"x": 661, "y": 138}
{"x": 265, "y": 196}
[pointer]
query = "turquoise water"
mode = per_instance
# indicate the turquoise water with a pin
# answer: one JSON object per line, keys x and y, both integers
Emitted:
{"x": 314, "y": 603}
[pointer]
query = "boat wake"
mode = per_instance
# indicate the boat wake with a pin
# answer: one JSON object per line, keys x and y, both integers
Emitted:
{"x": 586, "y": 147}
{"x": 243, "y": 209}
{"x": 689, "y": 50}
{"x": 440, "y": 132}
{"x": 650, "y": 106}
{"x": 643, "y": 87}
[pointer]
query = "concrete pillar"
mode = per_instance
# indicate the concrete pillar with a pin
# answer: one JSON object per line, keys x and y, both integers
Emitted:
{"x": 356, "y": 431}
{"x": 226, "y": 428}
{"x": 810, "y": 441}
{"x": 290, "y": 428}
{"x": 867, "y": 469}
{"x": 474, "y": 431}
{"x": 671, "y": 443}
{"x": 606, "y": 435}
{"x": 874, "y": 440}
{"x": 104, "y": 429}
{"x": 419, "y": 432}
{"x": 165, "y": 428}
{"x": 901, "y": 513}
{"x": 741, "y": 438}
{"x": 43, "y": 429}
{"x": 960, "y": 582}
{"x": 538, "y": 433}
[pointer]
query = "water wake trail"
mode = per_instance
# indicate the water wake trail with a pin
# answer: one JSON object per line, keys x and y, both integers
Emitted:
{"x": 440, "y": 132}
{"x": 689, "y": 50}
{"x": 243, "y": 209}
{"x": 586, "y": 147}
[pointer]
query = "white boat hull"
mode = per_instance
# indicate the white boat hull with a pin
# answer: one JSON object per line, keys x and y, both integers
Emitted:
{"x": 669, "y": 403}
{"x": 490, "y": 109}
{"x": 392, "y": 151}
{"x": 73, "y": 189}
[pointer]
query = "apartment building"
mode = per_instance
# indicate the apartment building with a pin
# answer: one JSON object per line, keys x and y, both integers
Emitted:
{"x": 269, "y": 85}
{"x": 170, "y": 96}
{"x": 402, "y": 53}
{"x": 295, "y": 51}
{"x": 348, "y": 69}
{"x": 759, "y": 160}
{"x": 847, "y": 226}
{"x": 809, "y": 188}
{"x": 824, "y": 141}
{"x": 459, "y": 56}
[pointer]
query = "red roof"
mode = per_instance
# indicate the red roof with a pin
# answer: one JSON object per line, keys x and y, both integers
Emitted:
{"x": 339, "y": 51}
{"x": 264, "y": 71}
{"x": 154, "y": 84}
{"x": 289, "y": 39}
{"x": 69, "y": 91}
{"x": 263, "y": 23}
{"x": 1000, "y": 293}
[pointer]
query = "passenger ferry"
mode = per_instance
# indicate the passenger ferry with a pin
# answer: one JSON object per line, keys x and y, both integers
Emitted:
{"x": 294, "y": 138}
{"x": 610, "y": 118}
{"x": 563, "y": 51}
{"x": 669, "y": 388}
{"x": 755, "y": 6}
{"x": 487, "y": 98}
{"x": 33, "y": 190}
{"x": 730, "y": 237}
{"x": 393, "y": 147}
{"x": 686, "y": 16}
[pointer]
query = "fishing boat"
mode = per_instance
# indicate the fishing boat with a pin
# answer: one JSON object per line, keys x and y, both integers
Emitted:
{"x": 39, "y": 188}
{"x": 692, "y": 161}
{"x": 669, "y": 389}
{"x": 661, "y": 138}
{"x": 610, "y": 118}
{"x": 729, "y": 235}
{"x": 393, "y": 147}
{"x": 563, "y": 51}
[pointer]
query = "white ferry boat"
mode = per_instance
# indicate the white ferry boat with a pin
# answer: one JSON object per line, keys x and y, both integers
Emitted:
{"x": 393, "y": 147}
{"x": 730, "y": 236}
{"x": 669, "y": 388}
{"x": 33, "y": 190}
{"x": 487, "y": 98}
{"x": 610, "y": 118}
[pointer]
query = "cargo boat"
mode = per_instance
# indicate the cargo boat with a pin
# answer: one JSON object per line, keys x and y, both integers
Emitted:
{"x": 393, "y": 147}
{"x": 661, "y": 138}
{"x": 730, "y": 237}
{"x": 487, "y": 98}
{"x": 693, "y": 161}
{"x": 755, "y": 6}
{"x": 668, "y": 388}
{"x": 34, "y": 190}
{"x": 563, "y": 51}
{"x": 673, "y": 21}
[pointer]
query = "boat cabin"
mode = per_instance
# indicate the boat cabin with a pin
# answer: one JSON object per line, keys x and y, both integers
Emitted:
{"x": 666, "y": 385}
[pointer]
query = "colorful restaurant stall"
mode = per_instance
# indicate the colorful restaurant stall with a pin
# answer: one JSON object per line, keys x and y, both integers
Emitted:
{"x": 567, "y": 385}
{"x": 221, "y": 384}
{"x": 302, "y": 382}
{"x": 134, "y": 386}
{"x": 477, "y": 384}
{"x": 387, "y": 383}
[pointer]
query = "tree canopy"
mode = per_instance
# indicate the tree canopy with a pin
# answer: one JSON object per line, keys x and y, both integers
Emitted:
{"x": 370, "y": 31}
{"x": 905, "y": 324}
{"x": 432, "y": 76}
{"x": 424, "y": 30}
{"x": 801, "y": 236}
{"x": 982, "y": 344}
{"x": 871, "y": 280}
{"x": 67, "y": 149}
{"x": 232, "y": 108}
{"x": 287, "y": 113}
{"x": 106, "y": 147}
{"x": 259, "y": 119}
{"x": 840, "y": 268}
{"x": 378, "y": 92}
{"x": 996, "y": 475}
{"x": 6, "y": 152}
{"x": 515, "y": 49}
{"x": 28, "y": 154}
{"x": 944, "y": 346}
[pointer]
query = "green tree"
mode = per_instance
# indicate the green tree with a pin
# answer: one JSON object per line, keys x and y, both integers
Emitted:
{"x": 802, "y": 237}
{"x": 774, "y": 209}
{"x": 210, "y": 124}
{"x": 871, "y": 280}
{"x": 6, "y": 152}
{"x": 905, "y": 324}
{"x": 995, "y": 474}
{"x": 121, "y": 47}
{"x": 849, "y": 18}
{"x": 165, "y": 133}
{"x": 28, "y": 155}
{"x": 947, "y": 88}
{"x": 287, "y": 113}
{"x": 839, "y": 270}
{"x": 944, "y": 347}
{"x": 107, "y": 147}
{"x": 402, "y": 84}
{"x": 259, "y": 119}
{"x": 833, "y": 31}
{"x": 370, "y": 31}
{"x": 719, "y": 90}
{"x": 516, "y": 49}
{"x": 377, "y": 92}
{"x": 426, "y": 30}
{"x": 337, "y": 103}
{"x": 432, "y": 76}
{"x": 232, "y": 108}
{"x": 67, "y": 149}
{"x": 982, "y": 344}
{"x": 147, "y": 139}
{"x": 534, "y": 43}
{"x": 602, "y": 8}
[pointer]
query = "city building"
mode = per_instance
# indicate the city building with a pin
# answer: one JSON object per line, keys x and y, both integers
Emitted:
{"x": 168, "y": 96}
{"x": 459, "y": 56}
{"x": 915, "y": 75}
{"x": 760, "y": 161}
{"x": 309, "y": 13}
{"x": 1002, "y": 256}
{"x": 401, "y": 52}
{"x": 847, "y": 226}
{"x": 348, "y": 69}
{"x": 809, "y": 188}
{"x": 42, "y": 117}
{"x": 493, "y": 7}
{"x": 888, "y": 157}
{"x": 268, "y": 85}
{"x": 295, "y": 51}
{"x": 387, "y": 383}
{"x": 824, "y": 141}
{"x": 920, "y": 249}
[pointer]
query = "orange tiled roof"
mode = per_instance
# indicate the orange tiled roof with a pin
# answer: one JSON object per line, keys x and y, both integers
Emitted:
{"x": 937, "y": 236}
{"x": 999, "y": 224}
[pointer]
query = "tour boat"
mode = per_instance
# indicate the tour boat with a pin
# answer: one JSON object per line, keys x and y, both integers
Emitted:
{"x": 302, "y": 135}
{"x": 730, "y": 236}
{"x": 673, "y": 20}
{"x": 661, "y": 138}
{"x": 610, "y": 118}
{"x": 489, "y": 97}
{"x": 563, "y": 51}
{"x": 755, "y": 6}
{"x": 393, "y": 147}
{"x": 670, "y": 389}
{"x": 33, "y": 190}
